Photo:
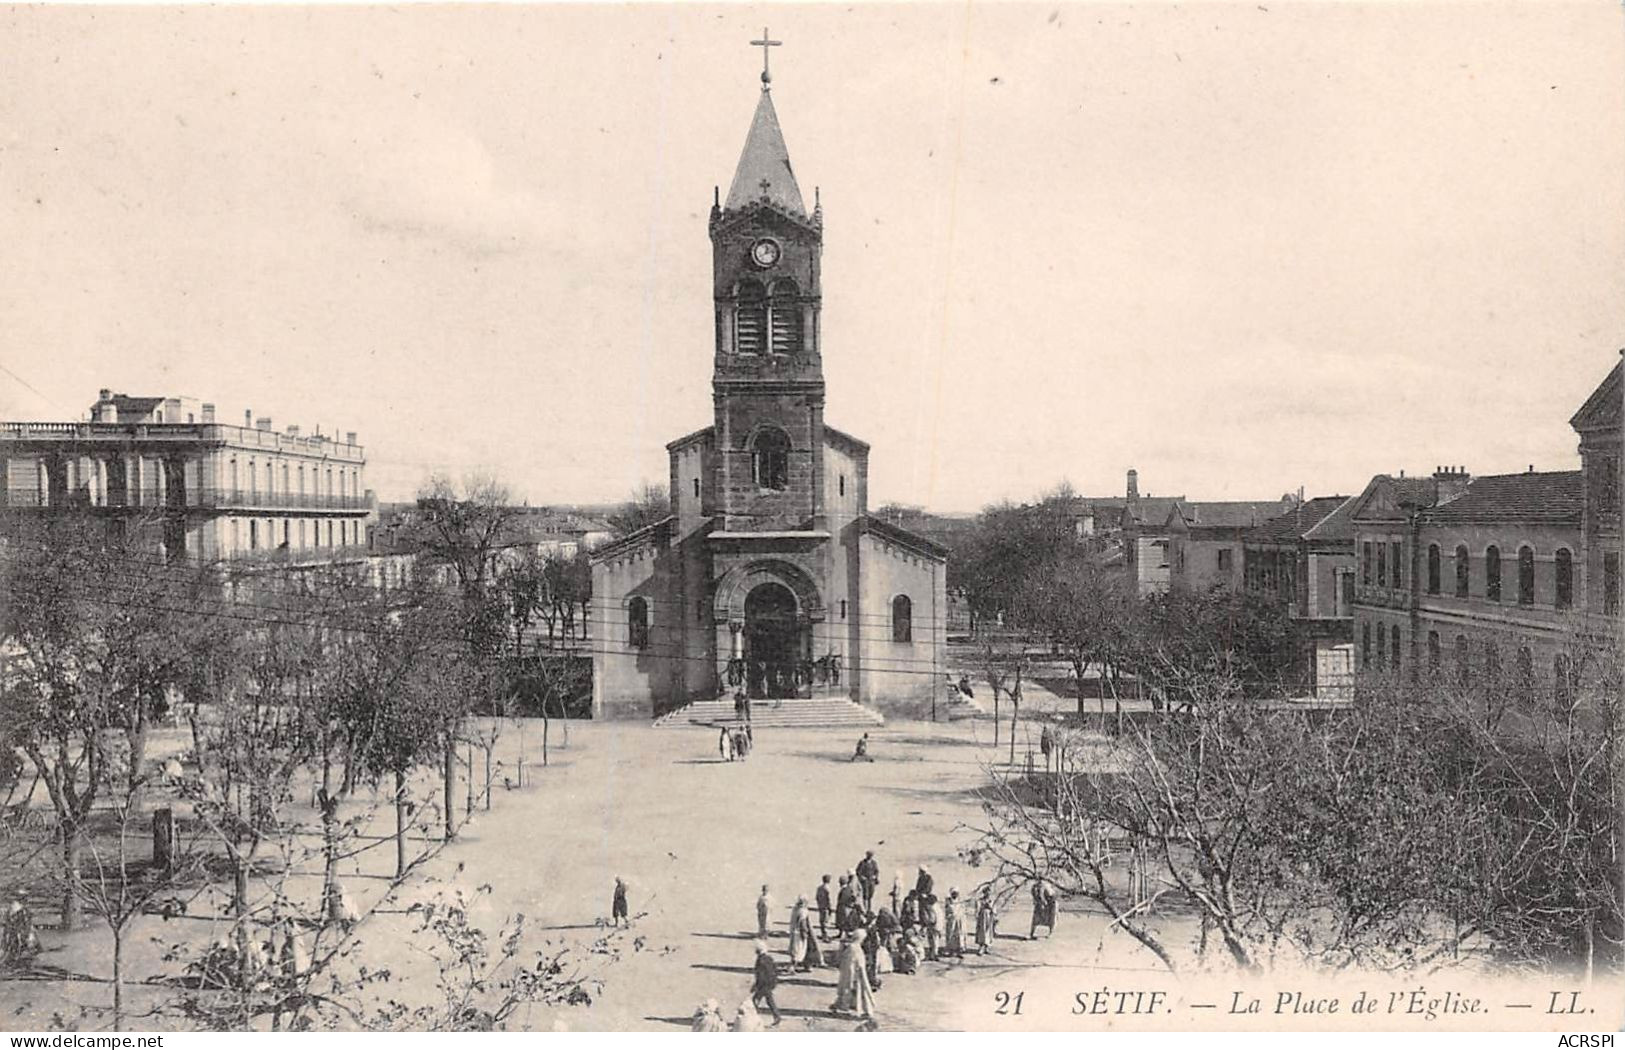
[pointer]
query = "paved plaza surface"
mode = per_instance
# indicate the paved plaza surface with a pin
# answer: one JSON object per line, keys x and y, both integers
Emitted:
{"x": 695, "y": 838}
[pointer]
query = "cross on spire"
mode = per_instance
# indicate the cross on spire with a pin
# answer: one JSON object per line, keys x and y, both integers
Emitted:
{"x": 765, "y": 43}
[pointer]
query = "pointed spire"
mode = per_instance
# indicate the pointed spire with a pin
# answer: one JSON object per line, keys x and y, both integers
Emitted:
{"x": 764, "y": 166}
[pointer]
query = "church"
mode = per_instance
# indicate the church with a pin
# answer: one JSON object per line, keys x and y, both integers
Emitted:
{"x": 769, "y": 577}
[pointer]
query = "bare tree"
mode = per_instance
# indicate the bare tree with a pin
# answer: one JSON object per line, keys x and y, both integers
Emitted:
{"x": 649, "y": 504}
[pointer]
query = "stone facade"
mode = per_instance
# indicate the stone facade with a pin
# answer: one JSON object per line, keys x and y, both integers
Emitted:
{"x": 1497, "y": 578}
{"x": 209, "y": 490}
{"x": 769, "y": 577}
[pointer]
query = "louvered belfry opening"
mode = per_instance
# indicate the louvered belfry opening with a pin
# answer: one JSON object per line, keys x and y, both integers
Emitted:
{"x": 750, "y": 318}
{"x": 785, "y": 313}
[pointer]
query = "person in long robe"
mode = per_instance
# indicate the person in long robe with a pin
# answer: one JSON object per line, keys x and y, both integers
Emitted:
{"x": 986, "y": 920}
{"x": 800, "y": 931}
{"x": 897, "y": 894}
{"x": 764, "y": 908}
{"x": 1043, "y": 909}
{"x": 953, "y": 926}
{"x": 708, "y": 1018}
{"x": 852, "y": 991}
{"x": 931, "y": 925}
{"x": 725, "y": 745}
{"x": 21, "y": 941}
{"x": 747, "y": 1019}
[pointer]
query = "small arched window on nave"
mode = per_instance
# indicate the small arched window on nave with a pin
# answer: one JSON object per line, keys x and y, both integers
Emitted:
{"x": 902, "y": 619}
{"x": 637, "y": 623}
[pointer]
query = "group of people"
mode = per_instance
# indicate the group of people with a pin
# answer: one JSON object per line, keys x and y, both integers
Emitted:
{"x": 874, "y": 937}
{"x": 735, "y": 742}
{"x": 242, "y": 959}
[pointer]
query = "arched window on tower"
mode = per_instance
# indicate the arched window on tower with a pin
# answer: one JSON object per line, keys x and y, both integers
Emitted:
{"x": 750, "y": 318}
{"x": 902, "y": 619}
{"x": 784, "y": 317}
{"x": 1526, "y": 576}
{"x": 770, "y": 459}
{"x": 637, "y": 623}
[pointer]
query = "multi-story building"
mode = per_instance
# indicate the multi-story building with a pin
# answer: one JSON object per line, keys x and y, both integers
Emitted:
{"x": 208, "y": 490}
{"x": 1494, "y": 578}
{"x": 1205, "y": 541}
{"x": 1304, "y": 559}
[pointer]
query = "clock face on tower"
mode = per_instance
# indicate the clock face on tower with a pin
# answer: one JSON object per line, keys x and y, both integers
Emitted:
{"x": 765, "y": 252}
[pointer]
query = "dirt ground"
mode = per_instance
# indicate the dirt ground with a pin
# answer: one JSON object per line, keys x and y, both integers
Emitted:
{"x": 696, "y": 838}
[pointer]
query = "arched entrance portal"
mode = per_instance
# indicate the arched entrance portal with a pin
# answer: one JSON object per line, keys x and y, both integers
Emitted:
{"x": 776, "y": 641}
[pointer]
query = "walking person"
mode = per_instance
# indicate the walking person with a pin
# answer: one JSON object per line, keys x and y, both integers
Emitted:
{"x": 618, "y": 914}
{"x": 853, "y": 993}
{"x": 764, "y": 906}
{"x": 767, "y": 979}
{"x": 868, "y": 878}
{"x": 861, "y": 754}
{"x": 725, "y": 745}
{"x": 824, "y": 907}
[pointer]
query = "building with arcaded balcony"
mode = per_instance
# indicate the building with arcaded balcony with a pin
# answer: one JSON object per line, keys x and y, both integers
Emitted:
{"x": 207, "y": 489}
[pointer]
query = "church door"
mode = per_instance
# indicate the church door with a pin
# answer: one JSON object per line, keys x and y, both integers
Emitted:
{"x": 772, "y": 636}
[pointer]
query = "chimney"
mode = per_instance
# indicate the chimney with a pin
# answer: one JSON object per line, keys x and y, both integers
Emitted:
{"x": 1133, "y": 484}
{"x": 1451, "y": 482}
{"x": 349, "y": 437}
{"x": 248, "y": 419}
{"x": 293, "y": 430}
{"x": 262, "y": 423}
{"x": 105, "y": 394}
{"x": 208, "y": 412}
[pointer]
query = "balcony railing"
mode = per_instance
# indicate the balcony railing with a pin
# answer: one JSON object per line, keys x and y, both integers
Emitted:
{"x": 185, "y": 433}
{"x": 182, "y": 499}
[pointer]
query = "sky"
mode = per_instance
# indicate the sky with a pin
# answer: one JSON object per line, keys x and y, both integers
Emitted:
{"x": 1240, "y": 247}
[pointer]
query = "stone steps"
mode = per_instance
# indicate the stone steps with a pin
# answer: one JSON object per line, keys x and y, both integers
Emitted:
{"x": 818, "y": 712}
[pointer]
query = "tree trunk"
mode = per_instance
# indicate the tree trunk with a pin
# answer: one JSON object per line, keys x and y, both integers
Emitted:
{"x": 488, "y": 778}
{"x": 118, "y": 978}
{"x": 545, "y": 727}
{"x": 71, "y": 914}
{"x": 400, "y": 823}
{"x": 330, "y": 843}
{"x": 468, "y": 805}
{"x": 450, "y": 785}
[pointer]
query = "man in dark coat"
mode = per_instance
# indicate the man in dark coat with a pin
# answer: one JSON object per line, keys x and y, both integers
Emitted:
{"x": 924, "y": 884}
{"x": 846, "y": 904}
{"x": 824, "y": 906}
{"x": 868, "y": 878}
{"x": 767, "y": 978}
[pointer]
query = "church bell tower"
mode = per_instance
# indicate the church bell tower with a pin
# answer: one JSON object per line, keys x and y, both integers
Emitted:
{"x": 768, "y": 378}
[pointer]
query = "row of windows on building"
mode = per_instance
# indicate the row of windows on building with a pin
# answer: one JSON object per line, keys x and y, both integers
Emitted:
{"x": 637, "y": 619}
{"x": 349, "y": 479}
{"x": 768, "y": 319}
{"x": 349, "y": 534}
{"x": 1387, "y": 564}
{"x": 1385, "y": 656}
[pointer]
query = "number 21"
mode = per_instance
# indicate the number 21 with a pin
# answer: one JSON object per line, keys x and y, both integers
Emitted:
{"x": 1007, "y": 1004}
